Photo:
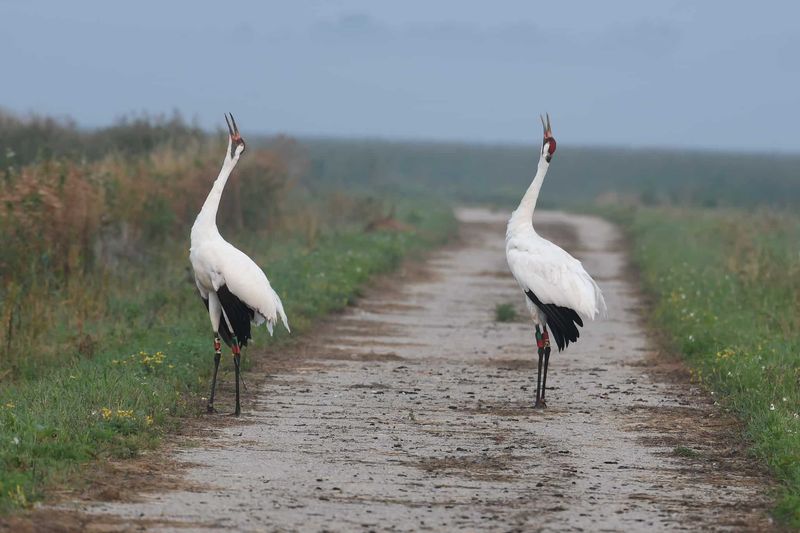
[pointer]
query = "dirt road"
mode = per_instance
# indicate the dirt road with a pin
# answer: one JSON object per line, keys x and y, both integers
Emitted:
{"x": 413, "y": 411}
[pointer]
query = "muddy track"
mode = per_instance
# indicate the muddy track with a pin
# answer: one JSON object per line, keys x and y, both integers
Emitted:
{"x": 413, "y": 411}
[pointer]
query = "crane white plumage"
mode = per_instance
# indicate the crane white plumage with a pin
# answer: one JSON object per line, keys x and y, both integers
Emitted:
{"x": 234, "y": 288}
{"x": 559, "y": 293}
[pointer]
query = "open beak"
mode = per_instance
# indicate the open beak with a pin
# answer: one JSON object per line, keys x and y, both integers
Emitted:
{"x": 548, "y": 137}
{"x": 234, "y": 131}
{"x": 548, "y": 132}
{"x": 236, "y": 139}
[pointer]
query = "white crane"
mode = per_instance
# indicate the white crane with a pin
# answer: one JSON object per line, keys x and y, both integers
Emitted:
{"x": 558, "y": 291}
{"x": 234, "y": 289}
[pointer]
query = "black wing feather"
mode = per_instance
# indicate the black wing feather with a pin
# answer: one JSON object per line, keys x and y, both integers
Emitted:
{"x": 563, "y": 321}
{"x": 238, "y": 313}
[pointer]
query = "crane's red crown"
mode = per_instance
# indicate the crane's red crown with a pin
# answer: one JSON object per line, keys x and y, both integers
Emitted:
{"x": 551, "y": 149}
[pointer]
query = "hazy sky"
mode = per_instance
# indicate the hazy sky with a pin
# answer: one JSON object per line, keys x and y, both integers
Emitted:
{"x": 703, "y": 74}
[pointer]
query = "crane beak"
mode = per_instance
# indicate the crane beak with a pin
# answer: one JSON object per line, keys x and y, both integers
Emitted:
{"x": 235, "y": 137}
{"x": 233, "y": 131}
{"x": 548, "y": 131}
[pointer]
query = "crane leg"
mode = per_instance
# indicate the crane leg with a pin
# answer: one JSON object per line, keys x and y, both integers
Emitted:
{"x": 539, "y": 392}
{"x": 546, "y": 341}
{"x": 237, "y": 354}
{"x": 217, "y": 356}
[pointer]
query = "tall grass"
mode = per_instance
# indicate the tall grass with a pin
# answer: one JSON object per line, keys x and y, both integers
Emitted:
{"x": 33, "y": 138}
{"x": 70, "y": 230}
{"x": 728, "y": 291}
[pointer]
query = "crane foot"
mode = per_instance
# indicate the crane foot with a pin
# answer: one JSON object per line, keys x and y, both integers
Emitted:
{"x": 540, "y": 404}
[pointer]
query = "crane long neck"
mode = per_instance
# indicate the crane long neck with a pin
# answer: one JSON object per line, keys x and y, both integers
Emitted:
{"x": 206, "y": 222}
{"x": 522, "y": 217}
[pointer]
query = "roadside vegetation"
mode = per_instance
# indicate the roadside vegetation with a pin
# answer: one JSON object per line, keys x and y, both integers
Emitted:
{"x": 505, "y": 312}
{"x": 727, "y": 292}
{"x": 104, "y": 343}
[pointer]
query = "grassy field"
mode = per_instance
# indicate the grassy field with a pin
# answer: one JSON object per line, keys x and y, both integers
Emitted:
{"x": 727, "y": 291}
{"x": 152, "y": 352}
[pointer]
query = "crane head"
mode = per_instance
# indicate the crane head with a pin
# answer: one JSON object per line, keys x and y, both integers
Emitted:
{"x": 549, "y": 142}
{"x": 235, "y": 142}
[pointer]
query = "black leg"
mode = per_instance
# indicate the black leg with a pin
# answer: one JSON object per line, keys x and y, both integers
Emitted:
{"x": 546, "y": 342}
{"x": 217, "y": 356}
{"x": 544, "y": 378}
{"x": 539, "y": 381}
{"x": 540, "y": 349}
{"x": 237, "y": 354}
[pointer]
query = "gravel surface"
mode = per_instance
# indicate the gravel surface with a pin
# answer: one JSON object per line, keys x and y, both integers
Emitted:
{"x": 413, "y": 411}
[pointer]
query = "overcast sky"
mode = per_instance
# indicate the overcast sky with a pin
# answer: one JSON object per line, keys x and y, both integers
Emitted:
{"x": 701, "y": 74}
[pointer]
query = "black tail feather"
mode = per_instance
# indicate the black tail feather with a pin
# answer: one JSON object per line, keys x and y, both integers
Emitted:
{"x": 238, "y": 314}
{"x": 563, "y": 321}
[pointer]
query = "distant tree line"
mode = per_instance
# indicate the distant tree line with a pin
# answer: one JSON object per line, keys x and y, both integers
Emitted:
{"x": 579, "y": 175}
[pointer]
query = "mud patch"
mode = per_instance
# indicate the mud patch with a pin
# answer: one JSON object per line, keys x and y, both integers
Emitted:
{"x": 61, "y": 521}
{"x": 479, "y": 467}
{"x": 511, "y": 364}
{"x": 495, "y": 274}
{"x": 370, "y": 356}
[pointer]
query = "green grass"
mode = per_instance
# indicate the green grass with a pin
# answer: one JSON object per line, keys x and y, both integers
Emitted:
{"x": 685, "y": 451}
{"x": 505, "y": 312}
{"x": 150, "y": 354}
{"x": 727, "y": 290}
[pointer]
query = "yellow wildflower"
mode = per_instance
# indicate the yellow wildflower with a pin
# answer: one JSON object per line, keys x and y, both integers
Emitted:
{"x": 727, "y": 353}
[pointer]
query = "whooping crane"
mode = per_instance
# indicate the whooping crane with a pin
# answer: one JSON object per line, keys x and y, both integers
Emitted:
{"x": 234, "y": 289}
{"x": 558, "y": 291}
